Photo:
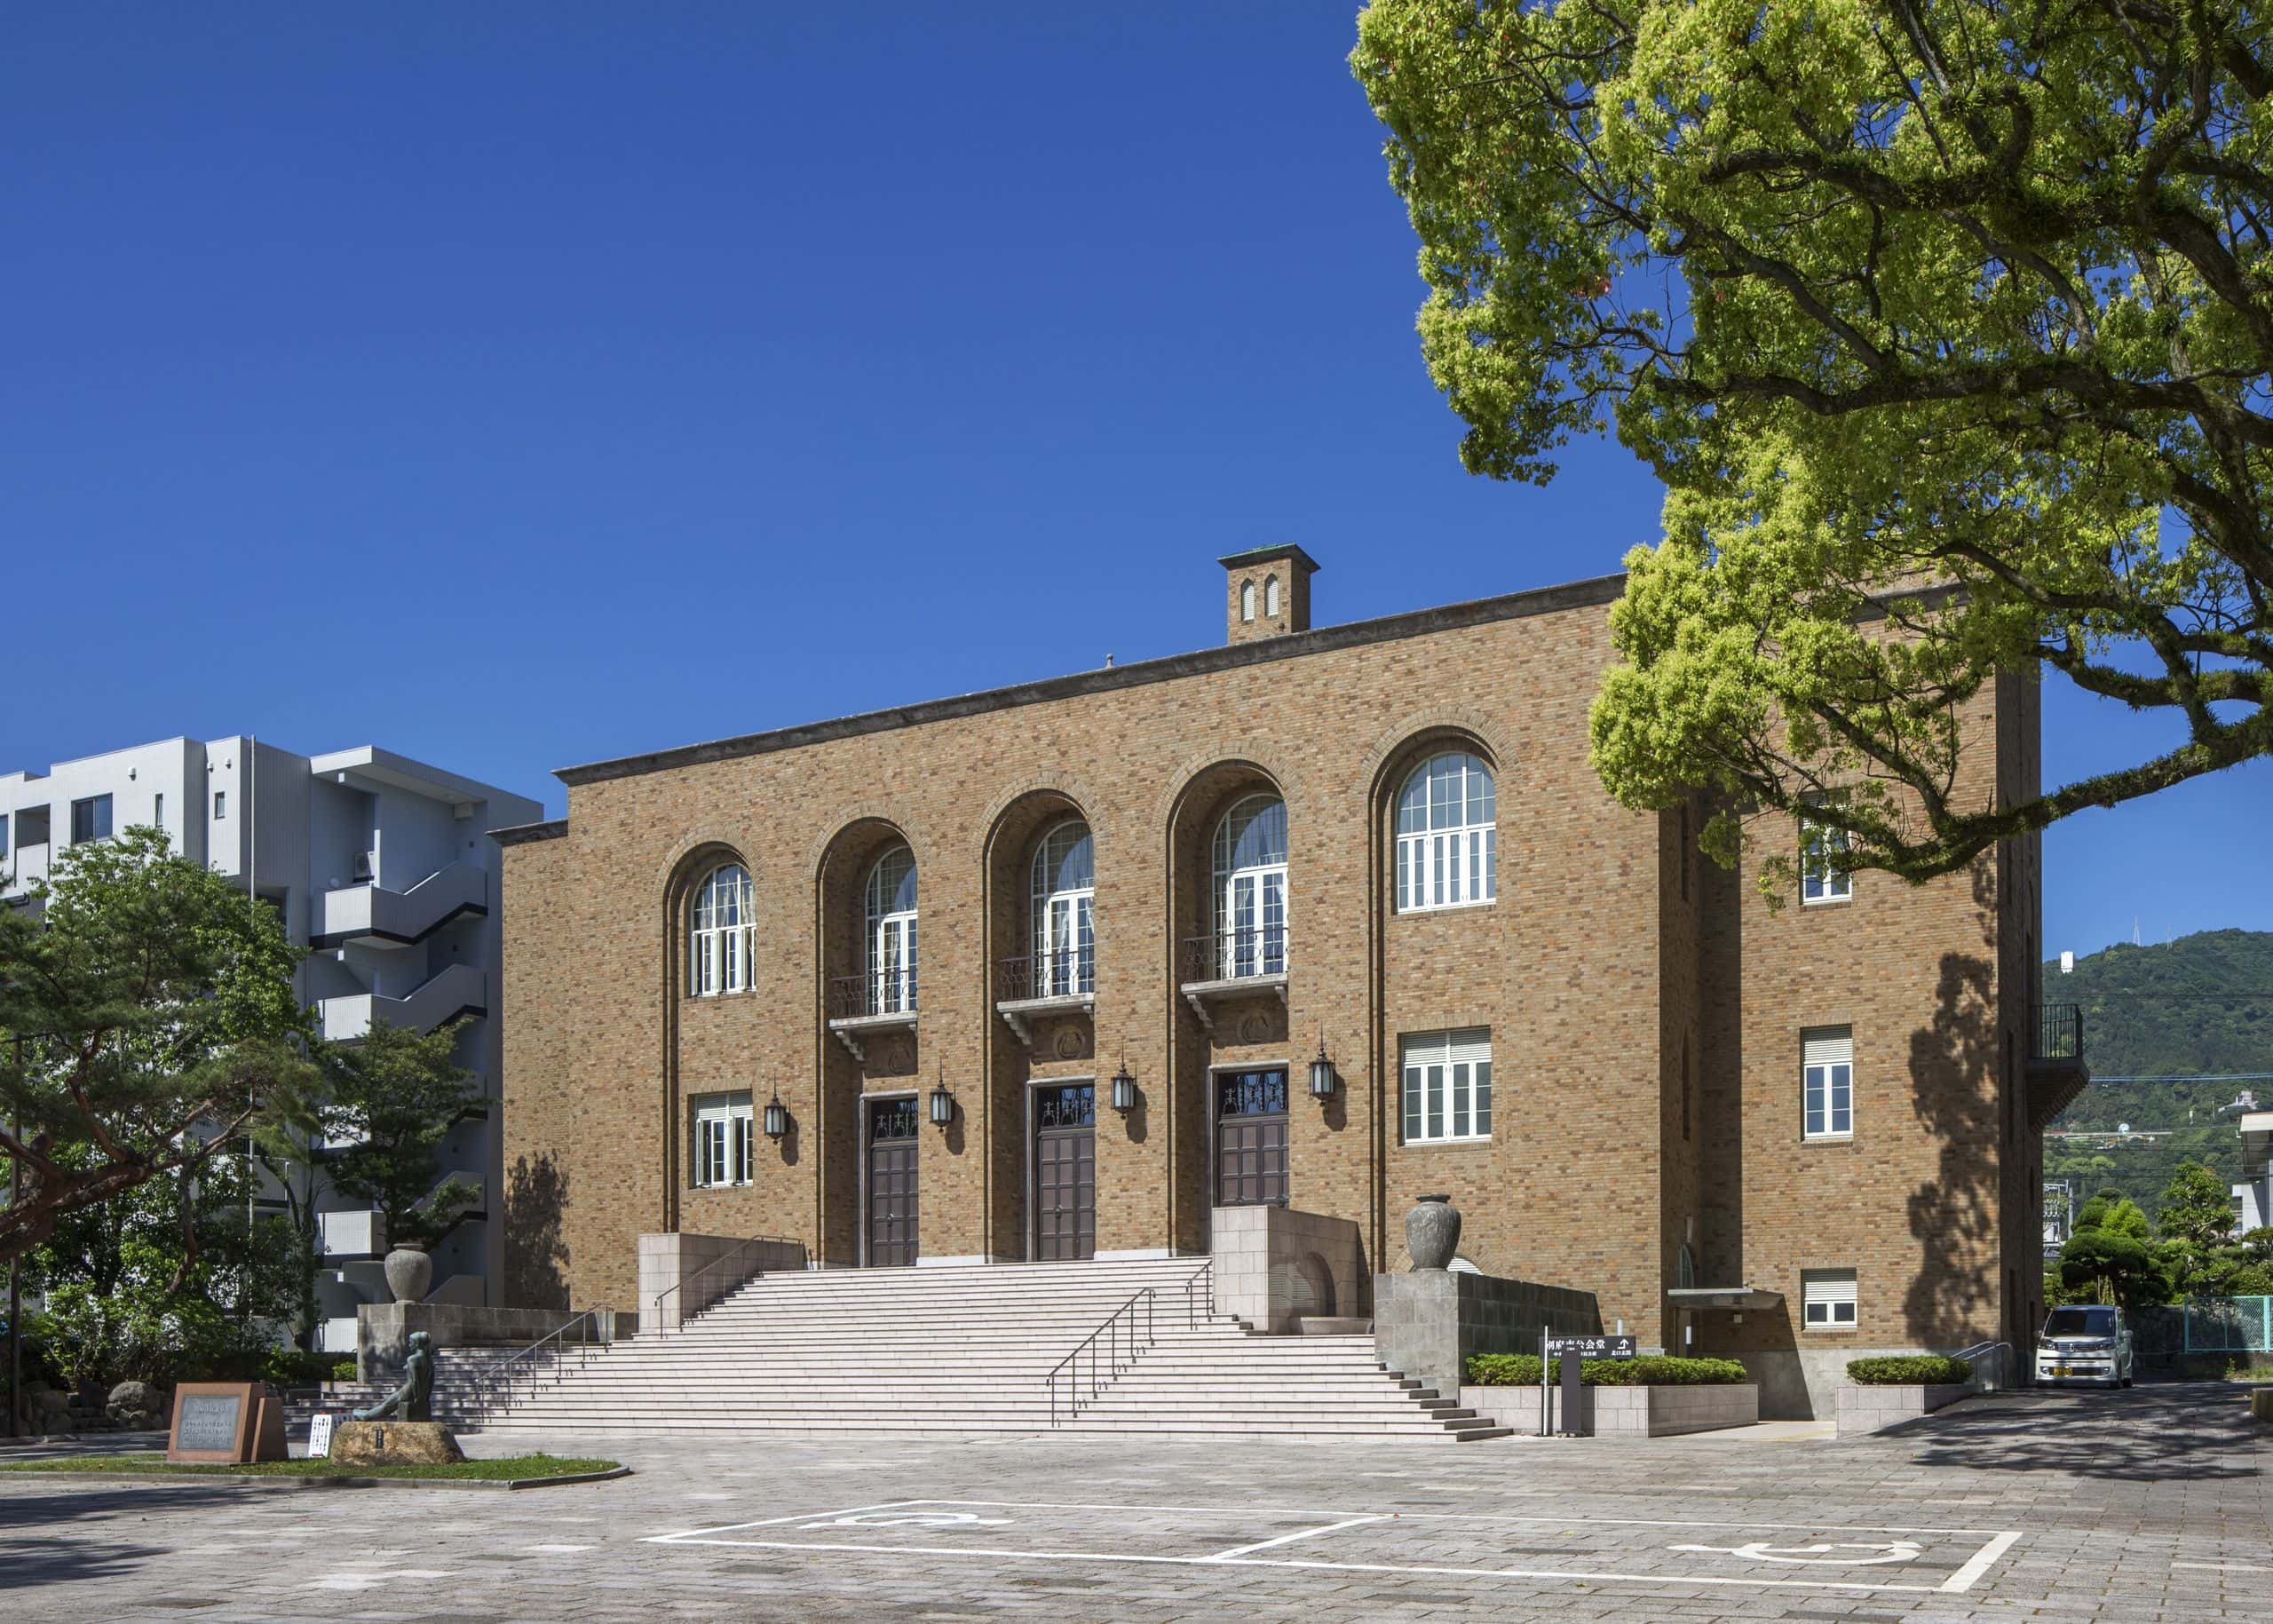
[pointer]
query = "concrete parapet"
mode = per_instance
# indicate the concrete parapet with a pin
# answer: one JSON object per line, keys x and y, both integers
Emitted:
{"x": 1428, "y": 1321}
{"x": 709, "y": 1266}
{"x": 1274, "y": 1267}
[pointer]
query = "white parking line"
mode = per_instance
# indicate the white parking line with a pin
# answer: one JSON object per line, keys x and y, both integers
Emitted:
{"x": 1994, "y": 1545}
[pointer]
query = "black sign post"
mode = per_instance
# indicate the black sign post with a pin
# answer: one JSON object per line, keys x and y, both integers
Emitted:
{"x": 1571, "y": 1350}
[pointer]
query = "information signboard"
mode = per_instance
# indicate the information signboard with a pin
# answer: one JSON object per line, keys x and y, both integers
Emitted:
{"x": 319, "y": 1435}
{"x": 1592, "y": 1347}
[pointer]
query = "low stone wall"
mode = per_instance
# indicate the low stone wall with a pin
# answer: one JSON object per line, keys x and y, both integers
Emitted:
{"x": 1428, "y": 1321}
{"x": 1274, "y": 1267}
{"x": 1625, "y": 1412}
{"x": 1874, "y": 1409}
{"x": 382, "y": 1331}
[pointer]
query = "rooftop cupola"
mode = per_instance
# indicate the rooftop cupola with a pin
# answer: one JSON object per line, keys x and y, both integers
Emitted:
{"x": 1268, "y": 592}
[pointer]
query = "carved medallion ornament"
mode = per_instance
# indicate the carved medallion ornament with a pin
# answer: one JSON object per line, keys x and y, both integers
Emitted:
{"x": 1255, "y": 1027}
{"x": 1070, "y": 1044}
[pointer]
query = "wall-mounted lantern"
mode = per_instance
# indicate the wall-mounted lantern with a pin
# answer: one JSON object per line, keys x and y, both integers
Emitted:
{"x": 1124, "y": 1090}
{"x": 776, "y": 1119}
{"x": 1322, "y": 1078}
{"x": 943, "y": 1105}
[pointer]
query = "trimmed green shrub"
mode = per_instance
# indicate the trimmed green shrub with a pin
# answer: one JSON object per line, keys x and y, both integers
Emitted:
{"x": 1522, "y": 1370}
{"x": 344, "y": 1371}
{"x": 1908, "y": 1370}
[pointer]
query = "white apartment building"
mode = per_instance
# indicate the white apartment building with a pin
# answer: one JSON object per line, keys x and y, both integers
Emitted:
{"x": 2253, "y": 1196}
{"x": 383, "y": 867}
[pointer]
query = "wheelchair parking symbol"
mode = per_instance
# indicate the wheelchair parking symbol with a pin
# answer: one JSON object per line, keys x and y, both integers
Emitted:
{"x": 910, "y": 1519}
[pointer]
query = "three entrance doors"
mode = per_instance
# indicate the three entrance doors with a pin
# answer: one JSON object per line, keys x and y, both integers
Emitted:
{"x": 1065, "y": 1172}
{"x": 891, "y": 1181}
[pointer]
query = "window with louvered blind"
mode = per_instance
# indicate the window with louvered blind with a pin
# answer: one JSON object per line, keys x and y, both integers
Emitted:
{"x": 1827, "y": 1299}
{"x": 1447, "y": 1086}
{"x": 1827, "y": 1083}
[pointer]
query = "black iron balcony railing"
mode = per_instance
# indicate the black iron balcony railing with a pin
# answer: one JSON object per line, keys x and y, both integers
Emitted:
{"x": 879, "y": 992}
{"x": 1233, "y": 956}
{"x": 2059, "y": 1033}
{"x": 1064, "y": 972}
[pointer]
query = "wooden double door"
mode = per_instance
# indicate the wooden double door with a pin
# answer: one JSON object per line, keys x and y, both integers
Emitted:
{"x": 891, "y": 1181}
{"x": 1065, "y": 1172}
{"x": 1251, "y": 1137}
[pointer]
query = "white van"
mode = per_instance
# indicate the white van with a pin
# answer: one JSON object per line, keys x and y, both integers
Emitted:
{"x": 2087, "y": 1342}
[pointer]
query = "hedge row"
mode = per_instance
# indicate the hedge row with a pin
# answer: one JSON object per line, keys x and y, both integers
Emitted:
{"x": 1908, "y": 1370}
{"x": 1657, "y": 1370}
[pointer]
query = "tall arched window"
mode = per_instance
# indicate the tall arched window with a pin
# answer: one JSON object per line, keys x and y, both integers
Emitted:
{"x": 1447, "y": 843}
{"x": 1250, "y": 889}
{"x": 718, "y": 933}
{"x": 1064, "y": 892}
{"x": 1271, "y": 595}
{"x": 891, "y": 933}
{"x": 1246, "y": 601}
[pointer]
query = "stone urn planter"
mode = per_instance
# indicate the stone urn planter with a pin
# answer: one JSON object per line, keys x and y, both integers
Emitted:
{"x": 409, "y": 1272}
{"x": 1432, "y": 1231}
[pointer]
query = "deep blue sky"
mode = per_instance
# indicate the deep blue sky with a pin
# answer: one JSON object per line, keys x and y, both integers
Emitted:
{"x": 517, "y": 385}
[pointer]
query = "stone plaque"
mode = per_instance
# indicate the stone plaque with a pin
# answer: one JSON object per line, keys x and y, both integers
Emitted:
{"x": 224, "y": 1422}
{"x": 209, "y": 1423}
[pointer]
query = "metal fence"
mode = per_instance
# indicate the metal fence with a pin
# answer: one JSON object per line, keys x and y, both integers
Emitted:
{"x": 2229, "y": 1325}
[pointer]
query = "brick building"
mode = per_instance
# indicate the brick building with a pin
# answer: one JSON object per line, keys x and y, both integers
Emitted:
{"x": 931, "y": 938}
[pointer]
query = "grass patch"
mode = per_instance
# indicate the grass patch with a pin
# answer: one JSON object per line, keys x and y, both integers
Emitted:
{"x": 509, "y": 1468}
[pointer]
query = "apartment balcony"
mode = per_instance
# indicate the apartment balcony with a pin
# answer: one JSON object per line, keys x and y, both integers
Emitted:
{"x": 2056, "y": 1072}
{"x": 862, "y": 1006}
{"x": 461, "y": 989}
{"x": 351, "y": 1234}
{"x": 372, "y": 915}
{"x": 1030, "y": 987}
{"x": 1228, "y": 965}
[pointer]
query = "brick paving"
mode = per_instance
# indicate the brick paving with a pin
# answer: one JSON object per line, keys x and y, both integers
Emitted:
{"x": 2149, "y": 1505}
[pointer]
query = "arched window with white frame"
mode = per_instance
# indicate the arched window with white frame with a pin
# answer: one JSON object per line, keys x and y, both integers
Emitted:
{"x": 1065, "y": 927}
{"x": 1271, "y": 595}
{"x": 1246, "y": 601}
{"x": 1250, "y": 889}
{"x": 1447, "y": 838}
{"x": 718, "y": 933}
{"x": 890, "y": 933}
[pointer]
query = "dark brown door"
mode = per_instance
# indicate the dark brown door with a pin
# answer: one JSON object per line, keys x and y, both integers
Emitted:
{"x": 1250, "y": 1138}
{"x": 1065, "y": 1172}
{"x": 892, "y": 1182}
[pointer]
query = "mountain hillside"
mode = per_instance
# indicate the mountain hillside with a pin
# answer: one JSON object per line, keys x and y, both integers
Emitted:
{"x": 2200, "y": 1004}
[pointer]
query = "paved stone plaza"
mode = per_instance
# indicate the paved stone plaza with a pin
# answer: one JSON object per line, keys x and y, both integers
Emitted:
{"x": 2137, "y": 1506}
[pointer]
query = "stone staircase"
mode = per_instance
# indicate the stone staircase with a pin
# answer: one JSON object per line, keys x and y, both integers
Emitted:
{"x": 971, "y": 1349}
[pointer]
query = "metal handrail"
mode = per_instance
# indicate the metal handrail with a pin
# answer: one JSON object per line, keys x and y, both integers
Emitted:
{"x": 1111, "y": 1332}
{"x": 1206, "y": 1272}
{"x": 1976, "y": 1352}
{"x": 2059, "y": 1033}
{"x": 502, "y": 1373}
{"x": 1234, "y": 954}
{"x": 685, "y": 1280}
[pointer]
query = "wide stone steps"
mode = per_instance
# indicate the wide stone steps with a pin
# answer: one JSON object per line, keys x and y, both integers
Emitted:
{"x": 971, "y": 1349}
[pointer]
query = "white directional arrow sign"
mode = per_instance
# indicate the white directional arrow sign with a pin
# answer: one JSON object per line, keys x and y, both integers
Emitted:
{"x": 1761, "y": 1550}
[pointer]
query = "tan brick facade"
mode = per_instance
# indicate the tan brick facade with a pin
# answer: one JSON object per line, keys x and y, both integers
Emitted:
{"x": 1612, "y": 951}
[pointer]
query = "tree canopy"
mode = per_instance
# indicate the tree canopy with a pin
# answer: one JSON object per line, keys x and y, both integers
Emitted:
{"x": 1948, "y": 325}
{"x": 147, "y": 1021}
{"x": 387, "y": 1103}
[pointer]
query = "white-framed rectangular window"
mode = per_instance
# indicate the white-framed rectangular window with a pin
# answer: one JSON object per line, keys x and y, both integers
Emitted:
{"x": 1824, "y": 873}
{"x": 1827, "y": 1299}
{"x": 1827, "y": 1083}
{"x": 220, "y": 804}
{"x": 1447, "y": 1086}
{"x": 724, "y": 1138}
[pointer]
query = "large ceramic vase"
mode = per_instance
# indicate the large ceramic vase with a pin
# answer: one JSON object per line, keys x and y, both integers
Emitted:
{"x": 1432, "y": 1231}
{"x": 409, "y": 1272}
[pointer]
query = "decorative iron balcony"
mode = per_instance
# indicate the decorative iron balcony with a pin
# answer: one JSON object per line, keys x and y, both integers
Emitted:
{"x": 1065, "y": 972}
{"x": 1233, "y": 956}
{"x": 2059, "y": 1033}
{"x": 877, "y": 992}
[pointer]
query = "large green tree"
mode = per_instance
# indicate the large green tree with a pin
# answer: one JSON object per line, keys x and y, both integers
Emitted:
{"x": 2109, "y": 1257}
{"x": 388, "y": 1102}
{"x": 1948, "y": 325}
{"x": 147, "y": 1023}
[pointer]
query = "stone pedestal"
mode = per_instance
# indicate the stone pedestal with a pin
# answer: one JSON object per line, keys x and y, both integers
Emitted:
{"x": 1428, "y": 1321}
{"x": 1277, "y": 1268}
{"x": 395, "y": 1442}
